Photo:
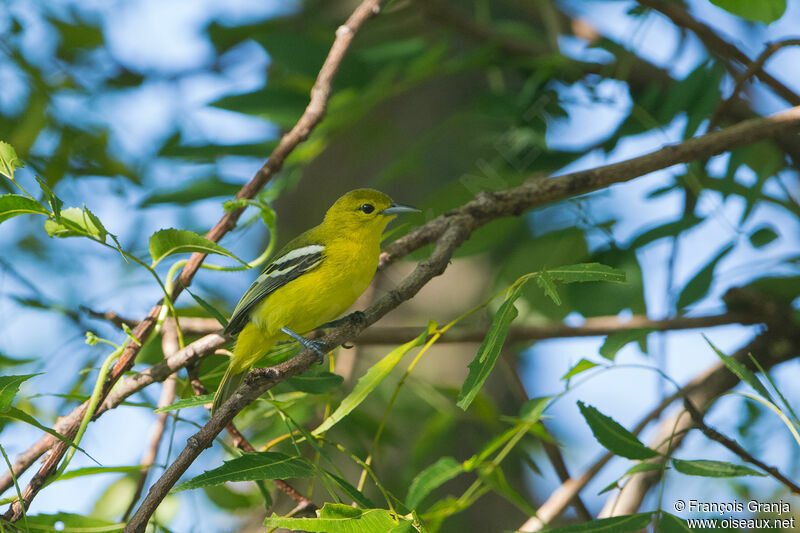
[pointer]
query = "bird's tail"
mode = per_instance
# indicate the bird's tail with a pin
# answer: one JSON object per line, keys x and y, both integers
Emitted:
{"x": 230, "y": 382}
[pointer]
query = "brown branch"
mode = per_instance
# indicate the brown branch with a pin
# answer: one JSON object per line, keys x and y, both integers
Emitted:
{"x": 592, "y": 327}
{"x": 311, "y": 117}
{"x": 716, "y": 44}
{"x": 169, "y": 344}
{"x": 735, "y": 447}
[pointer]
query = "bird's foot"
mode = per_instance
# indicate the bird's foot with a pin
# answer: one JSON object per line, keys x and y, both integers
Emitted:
{"x": 317, "y": 346}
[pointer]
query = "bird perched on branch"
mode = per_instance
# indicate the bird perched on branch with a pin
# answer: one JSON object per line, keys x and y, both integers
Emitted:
{"x": 313, "y": 280}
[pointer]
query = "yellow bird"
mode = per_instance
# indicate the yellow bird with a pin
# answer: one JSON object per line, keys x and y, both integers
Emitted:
{"x": 313, "y": 280}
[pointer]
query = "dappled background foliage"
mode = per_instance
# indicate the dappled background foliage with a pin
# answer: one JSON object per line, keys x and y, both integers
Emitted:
{"x": 434, "y": 103}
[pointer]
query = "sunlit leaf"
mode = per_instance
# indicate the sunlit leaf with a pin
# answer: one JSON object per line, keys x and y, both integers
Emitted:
{"x": 9, "y": 386}
{"x": 12, "y": 205}
{"x": 615, "y": 524}
{"x": 166, "y": 242}
{"x": 9, "y": 162}
{"x": 21, "y": 416}
{"x": 741, "y": 371}
{"x": 581, "y": 366}
{"x": 92, "y": 470}
{"x": 367, "y": 383}
{"x": 70, "y": 523}
{"x": 765, "y": 11}
{"x": 339, "y": 518}
{"x": 76, "y": 222}
{"x": 185, "y": 403}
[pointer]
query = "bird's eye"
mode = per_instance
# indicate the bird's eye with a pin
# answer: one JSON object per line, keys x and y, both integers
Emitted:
{"x": 367, "y": 208}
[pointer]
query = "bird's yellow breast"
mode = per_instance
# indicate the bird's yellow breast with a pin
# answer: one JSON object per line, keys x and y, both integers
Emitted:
{"x": 322, "y": 294}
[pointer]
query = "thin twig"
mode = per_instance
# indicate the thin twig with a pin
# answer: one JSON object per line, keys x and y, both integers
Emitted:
{"x": 169, "y": 344}
{"x": 735, "y": 447}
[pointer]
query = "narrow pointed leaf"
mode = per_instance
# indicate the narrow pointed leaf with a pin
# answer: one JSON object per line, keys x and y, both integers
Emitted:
{"x": 251, "y": 467}
{"x": 545, "y": 281}
{"x": 54, "y": 201}
{"x": 697, "y": 287}
{"x": 581, "y": 366}
{"x": 708, "y": 468}
{"x": 370, "y": 380}
{"x": 21, "y": 416}
{"x": 616, "y": 341}
{"x": 210, "y": 309}
{"x": 352, "y": 492}
{"x": 613, "y": 436}
{"x": 185, "y": 403}
{"x": 587, "y": 272}
{"x": 319, "y": 384}
{"x": 92, "y": 470}
{"x": 615, "y": 524}
{"x": 9, "y": 387}
{"x": 741, "y": 372}
{"x": 482, "y": 365}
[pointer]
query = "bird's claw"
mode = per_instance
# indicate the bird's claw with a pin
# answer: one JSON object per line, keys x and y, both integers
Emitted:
{"x": 319, "y": 348}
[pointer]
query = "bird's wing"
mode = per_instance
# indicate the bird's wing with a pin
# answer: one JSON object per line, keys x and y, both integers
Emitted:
{"x": 290, "y": 265}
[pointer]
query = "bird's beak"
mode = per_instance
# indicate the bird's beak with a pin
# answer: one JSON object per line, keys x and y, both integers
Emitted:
{"x": 396, "y": 209}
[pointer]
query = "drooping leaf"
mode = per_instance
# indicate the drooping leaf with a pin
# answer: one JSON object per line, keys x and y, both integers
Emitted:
{"x": 367, "y": 383}
{"x": 54, "y": 201}
{"x": 763, "y": 236}
{"x": 213, "y": 311}
{"x": 581, "y": 366}
{"x": 545, "y": 281}
{"x": 339, "y": 518}
{"x": 250, "y": 467}
{"x": 12, "y": 205}
{"x": 319, "y": 384}
{"x": 708, "y": 468}
{"x": 166, "y": 242}
{"x": 741, "y": 372}
{"x": 698, "y": 286}
{"x": 352, "y": 492}
{"x": 431, "y": 478}
{"x": 613, "y": 436}
{"x": 483, "y": 363}
{"x": 9, "y": 386}
{"x": 21, "y": 416}
{"x": 615, "y": 524}
{"x": 616, "y": 341}
{"x": 765, "y": 11}
{"x": 185, "y": 403}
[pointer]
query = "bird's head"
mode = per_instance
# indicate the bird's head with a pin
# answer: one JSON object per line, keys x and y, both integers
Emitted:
{"x": 364, "y": 211}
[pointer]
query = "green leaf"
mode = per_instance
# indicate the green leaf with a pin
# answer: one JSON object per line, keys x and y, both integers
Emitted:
{"x": 616, "y": 341}
{"x": 12, "y": 205}
{"x": 545, "y": 281}
{"x": 741, "y": 372}
{"x": 443, "y": 470}
{"x": 54, "y": 201}
{"x": 76, "y": 222}
{"x": 354, "y": 494}
{"x": 482, "y": 365}
{"x": 765, "y": 11}
{"x": 615, "y": 524}
{"x": 495, "y": 478}
{"x": 9, "y": 386}
{"x": 185, "y": 403}
{"x": 613, "y": 436}
{"x": 635, "y": 469}
{"x": 581, "y": 366}
{"x": 10, "y": 361}
{"x": 669, "y": 229}
{"x": 708, "y": 468}
{"x": 210, "y": 309}
{"x": 70, "y": 523}
{"x": 370, "y": 380}
{"x": 698, "y": 286}
{"x": 251, "y": 467}
{"x": 166, "y": 242}
{"x": 194, "y": 191}
{"x": 21, "y": 416}
{"x": 587, "y": 272}
{"x": 669, "y": 523}
{"x": 338, "y": 518}
{"x": 9, "y": 161}
{"x": 319, "y": 384}
{"x": 763, "y": 236}
{"x": 92, "y": 470}
{"x": 533, "y": 409}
